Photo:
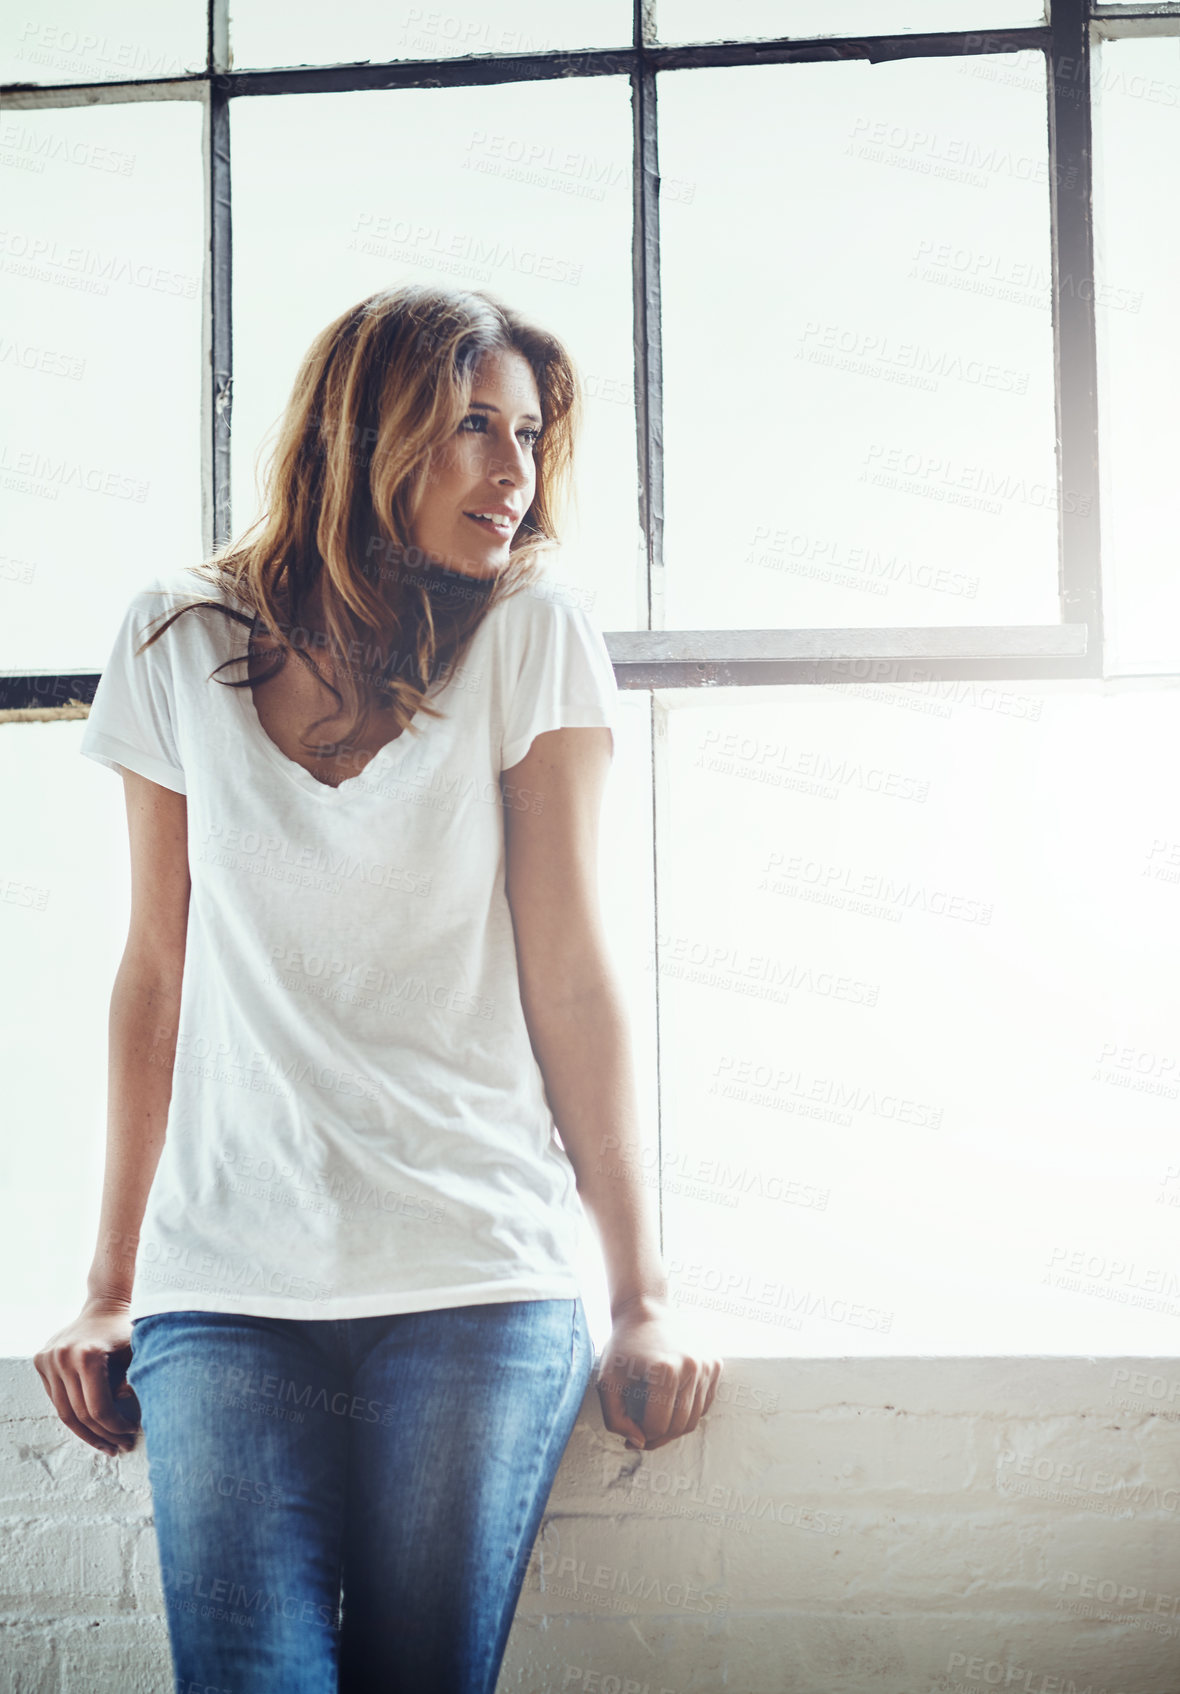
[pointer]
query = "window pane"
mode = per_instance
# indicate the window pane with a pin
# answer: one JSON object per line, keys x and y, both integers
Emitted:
{"x": 101, "y": 352}
{"x": 63, "y": 838}
{"x": 1137, "y": 153}
{"x": 918, "y": 1030}
{"x": 701, "y": 20}
{"x": 306, "y": 32}
{"x": 524, "y": 190}
{"x": 864, "y": 434}
{"x": 628, "y": 900}
{"x": 50, "y": 41}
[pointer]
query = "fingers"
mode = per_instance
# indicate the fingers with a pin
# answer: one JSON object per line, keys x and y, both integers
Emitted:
{"x": 718, "y": 1367}
{"x": 56, "y": 1388}
{"x": 695, "y": 1409}
{"x": 79, "y": 1388}
{"x": 94, "y": 1377}
{"x": 67, "y": 1392}
{"x": 665, "y": 1411}
{"x": 659, "y": 1409}
{"x": 679, "y": 1418}
{"x": 129, "y": 1408}
{"x": 614, "y": 1410}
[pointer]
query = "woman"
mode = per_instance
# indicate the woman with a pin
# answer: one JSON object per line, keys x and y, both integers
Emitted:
{"x": 364, "y": 982}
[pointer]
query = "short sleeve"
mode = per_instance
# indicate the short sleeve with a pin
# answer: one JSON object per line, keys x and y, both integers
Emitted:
{"x": 565, "y": 680}
{"x": 132, "y": 719}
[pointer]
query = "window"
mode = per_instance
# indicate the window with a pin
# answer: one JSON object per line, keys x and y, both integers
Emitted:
{"x": 873, "y": 442}
{"x": 1137, "y": 91}
{"x": 877, "y": 509}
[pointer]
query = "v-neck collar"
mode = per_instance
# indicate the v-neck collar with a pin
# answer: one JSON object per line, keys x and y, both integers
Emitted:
{"x": 386, "y": 757}
{"x": 389, "y": 755}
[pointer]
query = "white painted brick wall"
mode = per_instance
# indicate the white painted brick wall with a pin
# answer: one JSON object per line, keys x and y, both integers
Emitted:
{"x": 836, "y": 1526}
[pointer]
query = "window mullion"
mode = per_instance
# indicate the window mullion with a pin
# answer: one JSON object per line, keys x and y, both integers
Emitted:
{"x": 1074, "y": 333}
{"x": 649, "y": 415}
{"x": 645, "y": 259}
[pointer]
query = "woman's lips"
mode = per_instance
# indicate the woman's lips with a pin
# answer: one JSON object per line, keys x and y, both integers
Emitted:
{"x": 501, "y": 530}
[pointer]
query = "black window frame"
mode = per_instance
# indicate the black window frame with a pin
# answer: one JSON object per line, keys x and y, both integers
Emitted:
{"x": 658, "y": 657}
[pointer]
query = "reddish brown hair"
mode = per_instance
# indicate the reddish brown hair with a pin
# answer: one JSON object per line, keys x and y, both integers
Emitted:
{"x": 379, "y": 391}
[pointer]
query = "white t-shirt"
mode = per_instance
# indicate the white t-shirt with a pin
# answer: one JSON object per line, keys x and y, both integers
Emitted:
{"x": 358, "y": 1123}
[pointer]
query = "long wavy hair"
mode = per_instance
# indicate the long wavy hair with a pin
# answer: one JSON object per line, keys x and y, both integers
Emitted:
{"x": 382, "y": 389}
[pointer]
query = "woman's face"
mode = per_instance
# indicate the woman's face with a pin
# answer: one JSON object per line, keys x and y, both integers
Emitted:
{"x": 487, "y": 467}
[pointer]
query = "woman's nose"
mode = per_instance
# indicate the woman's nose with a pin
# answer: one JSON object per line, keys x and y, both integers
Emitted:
{"x": 515, "y": 466}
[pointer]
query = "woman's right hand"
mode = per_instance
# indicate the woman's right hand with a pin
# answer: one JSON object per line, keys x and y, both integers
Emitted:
{"x": 83, "y": 1368}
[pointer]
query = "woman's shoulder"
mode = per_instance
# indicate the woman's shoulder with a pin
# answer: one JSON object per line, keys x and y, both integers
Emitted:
{"x": 156, "y": 598}
{"x": 178, "y": 647}
{"x": 546, "y": 604}
{"x": 165, "y": 591}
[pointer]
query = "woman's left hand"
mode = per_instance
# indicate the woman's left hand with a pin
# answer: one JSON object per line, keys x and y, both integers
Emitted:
{"x": 651, "y": 1369}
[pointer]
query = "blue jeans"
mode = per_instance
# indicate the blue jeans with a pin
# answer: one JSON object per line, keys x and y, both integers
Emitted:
{"x": 346, "y": 1505}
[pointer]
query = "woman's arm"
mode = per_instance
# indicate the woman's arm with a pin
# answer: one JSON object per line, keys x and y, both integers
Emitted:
{"x": 75, "y": 1364}
{"x": 574, "y": 1010}
{"x": 144, "y": 1017}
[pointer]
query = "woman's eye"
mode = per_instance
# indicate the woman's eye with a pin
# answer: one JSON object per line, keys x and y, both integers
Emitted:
{"x": 534, "y": 434}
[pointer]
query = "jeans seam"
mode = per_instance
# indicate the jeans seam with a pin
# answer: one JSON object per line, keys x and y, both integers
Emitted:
{"x": 528, "y": 1493}
{"x": 341, "y": 1537}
